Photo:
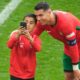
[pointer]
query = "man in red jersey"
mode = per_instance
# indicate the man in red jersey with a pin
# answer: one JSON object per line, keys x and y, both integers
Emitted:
{"x": 62, "y": 26}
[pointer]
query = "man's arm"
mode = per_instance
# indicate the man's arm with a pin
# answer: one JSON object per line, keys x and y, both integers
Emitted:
{"x": 69, "y": 33}
{"x": 38, "y": 29}
{"x": 67, "y": 28}
{"x": 34, "y": 40}
{"x": 36, "y": 43}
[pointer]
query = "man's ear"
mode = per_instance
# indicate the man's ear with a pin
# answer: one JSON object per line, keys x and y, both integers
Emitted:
{"x": 49, "y": 11}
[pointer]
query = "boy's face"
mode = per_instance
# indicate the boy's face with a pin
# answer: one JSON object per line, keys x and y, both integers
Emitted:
{"x": 42, "y": 16}
{"x": 30, "y": 23}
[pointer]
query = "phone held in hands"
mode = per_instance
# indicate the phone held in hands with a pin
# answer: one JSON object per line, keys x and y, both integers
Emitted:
{"x": 23, "y": 25}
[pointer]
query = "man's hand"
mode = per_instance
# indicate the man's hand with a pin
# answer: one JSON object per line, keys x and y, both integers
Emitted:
{"x": 76, "y": 74}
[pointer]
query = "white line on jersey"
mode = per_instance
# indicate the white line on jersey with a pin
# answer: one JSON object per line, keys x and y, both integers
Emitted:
{"x": 70, "y": 35}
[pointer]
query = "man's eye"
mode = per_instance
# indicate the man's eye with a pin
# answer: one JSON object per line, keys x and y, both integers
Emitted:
{"x": 41, "y": 15}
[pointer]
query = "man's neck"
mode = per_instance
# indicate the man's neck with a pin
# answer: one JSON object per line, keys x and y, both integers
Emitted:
{"x": 53, "y": 19}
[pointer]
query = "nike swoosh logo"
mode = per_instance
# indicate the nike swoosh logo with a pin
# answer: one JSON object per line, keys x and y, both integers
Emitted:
{"x": 48, "y": 31}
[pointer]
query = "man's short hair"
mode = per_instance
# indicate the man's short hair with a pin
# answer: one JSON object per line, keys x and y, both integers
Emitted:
{"x": 42, "y": 5}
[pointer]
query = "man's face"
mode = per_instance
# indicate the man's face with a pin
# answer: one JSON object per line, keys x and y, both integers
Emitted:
{"x": 42, "y": 16}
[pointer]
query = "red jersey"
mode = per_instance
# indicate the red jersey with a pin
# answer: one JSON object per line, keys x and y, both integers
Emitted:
{"x": 65, "y": 31}
{"x": 23, "y": 55}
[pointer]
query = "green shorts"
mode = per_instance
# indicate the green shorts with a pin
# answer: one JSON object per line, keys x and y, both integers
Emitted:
{"x": 67, "y": 64}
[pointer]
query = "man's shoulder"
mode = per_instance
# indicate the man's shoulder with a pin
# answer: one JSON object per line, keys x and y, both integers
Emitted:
{"x": 62, "y": 16}
{"x": 59, "y": 12}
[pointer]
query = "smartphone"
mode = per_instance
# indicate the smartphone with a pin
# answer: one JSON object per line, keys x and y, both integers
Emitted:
{"x": 23, "y": 24}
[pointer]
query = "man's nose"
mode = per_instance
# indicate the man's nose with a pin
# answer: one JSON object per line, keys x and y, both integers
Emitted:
{"x": 38, "y": 18}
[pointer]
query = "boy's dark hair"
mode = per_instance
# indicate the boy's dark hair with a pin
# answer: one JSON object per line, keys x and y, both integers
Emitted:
{"x": 42, "y": 5}
{"x": 31, "y": 15}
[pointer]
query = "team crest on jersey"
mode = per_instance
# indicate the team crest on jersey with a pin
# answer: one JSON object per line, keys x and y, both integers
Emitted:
{"x": 21, "y": 45}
